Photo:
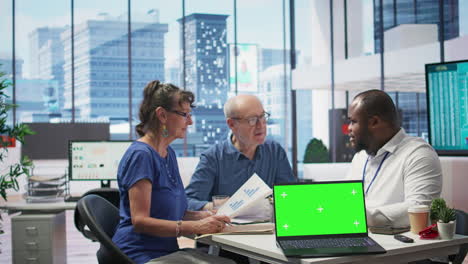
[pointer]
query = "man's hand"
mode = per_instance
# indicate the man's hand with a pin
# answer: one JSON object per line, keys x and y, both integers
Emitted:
{"x": 208, "y": 206}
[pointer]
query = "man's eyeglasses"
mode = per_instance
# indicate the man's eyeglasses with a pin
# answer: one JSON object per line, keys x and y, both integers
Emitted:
{"x": 183, "y": 114}
{"x": 252, "y": 121}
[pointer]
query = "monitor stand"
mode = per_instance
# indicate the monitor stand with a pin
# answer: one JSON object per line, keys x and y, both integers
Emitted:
{"x": 105, "y": 183}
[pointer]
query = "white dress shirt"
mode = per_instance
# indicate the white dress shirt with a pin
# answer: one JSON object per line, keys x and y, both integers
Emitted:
{"x": 411, "y": 174}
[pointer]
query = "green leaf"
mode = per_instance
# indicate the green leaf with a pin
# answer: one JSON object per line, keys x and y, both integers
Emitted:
{"x": 316, "y": 152}
{"x": 437, "y": 205}
{"x": 9, "y": 180}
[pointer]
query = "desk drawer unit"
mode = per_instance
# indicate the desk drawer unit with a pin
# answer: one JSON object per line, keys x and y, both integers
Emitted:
{"x": 39, "y": 238}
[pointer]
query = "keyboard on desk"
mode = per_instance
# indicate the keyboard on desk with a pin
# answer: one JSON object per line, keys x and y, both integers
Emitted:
{"x": 327, "y": 243}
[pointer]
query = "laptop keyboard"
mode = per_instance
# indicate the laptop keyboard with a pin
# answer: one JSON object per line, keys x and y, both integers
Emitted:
{"x": 327, "y": 243}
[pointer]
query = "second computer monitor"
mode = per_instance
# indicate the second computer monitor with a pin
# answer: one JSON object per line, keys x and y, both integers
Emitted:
{"x": 95, "y": 160}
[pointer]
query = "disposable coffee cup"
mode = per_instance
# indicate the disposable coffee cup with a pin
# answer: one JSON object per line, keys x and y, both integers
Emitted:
{"x": 418, "y": 216}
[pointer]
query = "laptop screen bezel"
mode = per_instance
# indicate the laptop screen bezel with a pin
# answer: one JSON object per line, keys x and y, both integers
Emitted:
{"x": 362, "y": 234}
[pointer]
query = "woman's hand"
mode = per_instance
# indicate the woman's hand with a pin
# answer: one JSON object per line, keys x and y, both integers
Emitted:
{"x": 205, "y": 214}
{"x": 198, "y": 215}
{"x": 211, "y": 224}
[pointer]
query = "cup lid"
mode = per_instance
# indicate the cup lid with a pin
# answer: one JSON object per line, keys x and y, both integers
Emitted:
{"x": 418, "y": 209}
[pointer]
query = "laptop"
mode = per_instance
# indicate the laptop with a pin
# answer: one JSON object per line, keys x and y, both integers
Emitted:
{"x": 322, "y": 219}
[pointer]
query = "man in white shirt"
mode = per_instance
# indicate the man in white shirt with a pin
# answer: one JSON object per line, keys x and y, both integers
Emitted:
{"x": 398, "y": 170}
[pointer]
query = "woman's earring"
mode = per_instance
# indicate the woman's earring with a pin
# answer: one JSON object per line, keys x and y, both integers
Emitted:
{"x": 165, "y": 133}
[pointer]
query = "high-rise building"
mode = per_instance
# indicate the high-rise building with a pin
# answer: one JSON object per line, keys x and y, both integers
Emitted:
{"x": 413, "y": 111}
{"x": 51, "y": 57}
{"x": 206, "y": 58}
{"x": 275, "y": 95}
{"x": 211, "y": 124}
{"x": 6, "y": 66}
{"x": 101, "y": 65}
{"x": 270, "y": 57}
{"x": 206, "y": 71}
{"x": 45, "y": 53}
{"x": 173, "y": 75}
{"x": 415, "y": 12}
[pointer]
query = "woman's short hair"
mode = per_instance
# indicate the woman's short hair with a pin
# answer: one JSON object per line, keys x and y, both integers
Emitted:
{"x": 157, "y": 94}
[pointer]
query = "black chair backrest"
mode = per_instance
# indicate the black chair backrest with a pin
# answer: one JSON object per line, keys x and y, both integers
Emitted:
{"x": 110, "y": 194}
{"x": 102, "y": 219}
{"x": 462, "y": 223}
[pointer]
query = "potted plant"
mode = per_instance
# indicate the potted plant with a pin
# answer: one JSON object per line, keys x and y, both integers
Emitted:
{"x": 8, "y": 136}
{"x": 9, "y": 177}
{"x": 316, "y": 152}
{"x": 436, "y": 205}
{"x": 445, "y": 218}
{"x": 446, "y": 223}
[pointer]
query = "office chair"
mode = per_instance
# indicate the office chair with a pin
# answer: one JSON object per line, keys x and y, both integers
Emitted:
{"x": 461, "y": 229}
{"x": 110, "y": 194}
{"x": 102, "y": 219}
{"x": 462, "y": 223}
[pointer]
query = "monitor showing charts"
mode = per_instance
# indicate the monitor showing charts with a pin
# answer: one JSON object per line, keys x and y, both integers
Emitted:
{"x": 95, "y": 160}
{"x": 447, "y": 98}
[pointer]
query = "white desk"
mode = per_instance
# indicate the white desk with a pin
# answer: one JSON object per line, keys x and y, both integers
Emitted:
{"x": 36, "y": 208}
{"x": 38, "y": 233}
{"x": 263, "y": 247}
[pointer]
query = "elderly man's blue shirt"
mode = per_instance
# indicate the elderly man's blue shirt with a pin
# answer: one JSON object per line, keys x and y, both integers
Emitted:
{"x": 223, "y": 169}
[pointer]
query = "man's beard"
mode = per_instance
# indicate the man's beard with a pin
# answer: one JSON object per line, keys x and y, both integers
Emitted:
{"x": 363, "y": 143}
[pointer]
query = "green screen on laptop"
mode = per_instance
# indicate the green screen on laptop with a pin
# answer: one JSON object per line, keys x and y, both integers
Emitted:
{"x": 319, "y": 209}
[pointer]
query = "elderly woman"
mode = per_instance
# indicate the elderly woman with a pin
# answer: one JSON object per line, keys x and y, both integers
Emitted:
{"x": 153, "y": 205}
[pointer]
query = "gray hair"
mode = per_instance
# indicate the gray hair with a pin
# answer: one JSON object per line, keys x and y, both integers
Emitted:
{"x": 229, "y": 107}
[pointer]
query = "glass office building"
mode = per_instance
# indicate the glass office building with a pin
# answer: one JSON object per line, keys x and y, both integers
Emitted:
{"x": 101, "y": 48}
{"x": 416, "y": 12}
{"x": 205, "y": 64}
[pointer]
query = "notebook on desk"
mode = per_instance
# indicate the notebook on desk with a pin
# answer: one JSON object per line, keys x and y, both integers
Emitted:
{"x": 322, "y": 219}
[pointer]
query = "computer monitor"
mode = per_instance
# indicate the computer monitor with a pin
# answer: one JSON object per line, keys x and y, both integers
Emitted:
{"x": 95, "y": 160}
{"x": 447, "y": 99}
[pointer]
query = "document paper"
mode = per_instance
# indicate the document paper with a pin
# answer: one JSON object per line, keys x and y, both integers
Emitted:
{"x": 251, "y": 192}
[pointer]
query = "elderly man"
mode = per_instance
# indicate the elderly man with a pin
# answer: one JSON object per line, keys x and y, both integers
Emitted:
{"x": 397, "y": 170}
{"x": 227, "y": 165}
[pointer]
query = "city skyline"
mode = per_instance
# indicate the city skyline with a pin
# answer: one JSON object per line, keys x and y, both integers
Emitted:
{"x": 101, "y": 60}
{"x": 251, "y": 22}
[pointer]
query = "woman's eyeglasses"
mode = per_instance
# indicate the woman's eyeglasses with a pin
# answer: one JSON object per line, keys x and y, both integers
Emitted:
{"x": 183, "y": 114}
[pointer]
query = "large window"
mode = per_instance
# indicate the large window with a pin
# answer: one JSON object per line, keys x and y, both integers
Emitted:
{"x": 6, "y": 56}
{"x": 95, "y": 69}
{"x": 209, "y": 29}
{"x": 263, "y": 62}
{"x": 82, "y": 72}
{"x": 154, "y": 47}
{"x": 373, "y": 46}
{"x": 100, "y": 39}
{"x": 40, "y": 59}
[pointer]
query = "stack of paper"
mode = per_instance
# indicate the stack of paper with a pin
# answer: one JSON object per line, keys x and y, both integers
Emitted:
{"x": 250, "y": 195}
{"x": 247, "y": 207}
{"x": 236, "y": 229}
